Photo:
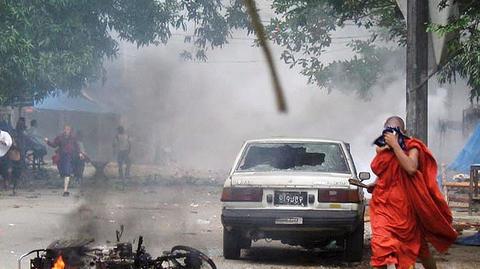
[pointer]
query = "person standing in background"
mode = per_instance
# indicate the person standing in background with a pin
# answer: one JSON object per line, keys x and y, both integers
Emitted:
{"x": 80, "y": 158}
{"x": 6, "y": 143}
{"x": 122, "y": 148}
{"x": 67, "y": 148}
{"x": 20, "y": 137}
{"x": 5, "y": 124}
{"x": 35, "y": 144}
{"x": 16, "y": 165}
{"x": 33, "y": 130}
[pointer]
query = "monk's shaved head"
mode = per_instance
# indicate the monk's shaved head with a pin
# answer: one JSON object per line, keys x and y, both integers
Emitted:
{"x": 395, "y": 121}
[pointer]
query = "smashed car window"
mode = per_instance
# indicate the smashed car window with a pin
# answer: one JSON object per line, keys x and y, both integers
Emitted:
{"x": 308, "y": 157}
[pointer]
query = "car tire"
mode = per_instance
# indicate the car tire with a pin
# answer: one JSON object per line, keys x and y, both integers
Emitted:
{"x": 231, "y": 244}
{"x": 354, "y": 244}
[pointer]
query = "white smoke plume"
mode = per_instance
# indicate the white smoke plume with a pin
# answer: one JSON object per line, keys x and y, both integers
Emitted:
{"x": 198, "y": 114}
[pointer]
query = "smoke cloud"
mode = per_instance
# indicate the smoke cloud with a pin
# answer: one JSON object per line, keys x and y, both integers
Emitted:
{"x": 197, "y": 115}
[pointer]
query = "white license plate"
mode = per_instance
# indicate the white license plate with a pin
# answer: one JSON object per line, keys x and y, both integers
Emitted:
{"x": 295, "y": 220}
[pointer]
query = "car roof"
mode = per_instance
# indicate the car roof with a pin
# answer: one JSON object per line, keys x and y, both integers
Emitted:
{"x": 293, "y": 140}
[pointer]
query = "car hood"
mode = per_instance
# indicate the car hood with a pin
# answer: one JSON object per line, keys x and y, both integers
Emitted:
{"x": 290, "y": 180}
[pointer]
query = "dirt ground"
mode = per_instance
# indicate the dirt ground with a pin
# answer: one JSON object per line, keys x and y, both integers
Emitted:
{"x": 166, "y": 215}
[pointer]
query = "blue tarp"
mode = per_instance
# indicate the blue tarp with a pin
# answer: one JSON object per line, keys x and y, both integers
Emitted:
{"x": 473, "y": 240}
{"x": 65, "y": 102}
{"x": 469, "y": 155}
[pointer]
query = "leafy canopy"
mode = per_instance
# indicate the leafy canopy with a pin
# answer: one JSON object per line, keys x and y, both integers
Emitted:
{"x": 464, "y": 49}
{"x": 52, "y": 45}
{"x": 304, "y": 28}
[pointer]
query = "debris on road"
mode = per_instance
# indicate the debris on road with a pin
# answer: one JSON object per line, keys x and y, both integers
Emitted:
{"x": 461, "y": 226}
{"x": 203, "y": 222}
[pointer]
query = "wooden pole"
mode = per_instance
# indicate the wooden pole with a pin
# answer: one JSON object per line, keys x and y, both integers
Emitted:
{"x": 444, "y": 181}
{"x": 262, "y": 40}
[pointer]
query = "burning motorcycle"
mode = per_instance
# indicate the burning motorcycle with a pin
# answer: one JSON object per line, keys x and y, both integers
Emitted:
{"x": 77, "y": 254}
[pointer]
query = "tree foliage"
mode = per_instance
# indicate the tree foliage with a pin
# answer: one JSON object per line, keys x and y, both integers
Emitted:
{"x": 53, "y": 45}
{"x": 464, "y": 50}
{"x": 370, "y": 66}
{"x": 304, "y": 28}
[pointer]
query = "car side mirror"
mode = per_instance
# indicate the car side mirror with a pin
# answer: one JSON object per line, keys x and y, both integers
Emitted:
{"x": 363, "y": 176}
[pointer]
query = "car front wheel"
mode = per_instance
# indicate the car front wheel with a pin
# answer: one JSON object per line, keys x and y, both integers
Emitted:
{"x": 231, "y": 244}
{"x": 354, "y": 244}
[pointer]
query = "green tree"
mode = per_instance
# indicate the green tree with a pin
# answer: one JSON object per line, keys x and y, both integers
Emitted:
{"x": 49, "y": 46}
{"x": 464, "y": 50}
{"x": 52, "y": 45}
{"x": 305, "y": 27}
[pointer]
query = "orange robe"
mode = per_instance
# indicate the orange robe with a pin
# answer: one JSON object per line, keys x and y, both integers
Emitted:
{"x": 407, "y": 211}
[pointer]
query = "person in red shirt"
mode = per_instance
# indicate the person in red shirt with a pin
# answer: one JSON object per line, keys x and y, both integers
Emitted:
{"x": 67, "y": 150}
{"x": 407, "y": 209}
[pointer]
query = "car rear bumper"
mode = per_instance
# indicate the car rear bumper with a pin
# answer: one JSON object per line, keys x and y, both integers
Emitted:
{"x": 335, "y": 220}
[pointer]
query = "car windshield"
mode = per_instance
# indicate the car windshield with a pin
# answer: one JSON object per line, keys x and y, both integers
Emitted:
{"x": 307, "y": 157}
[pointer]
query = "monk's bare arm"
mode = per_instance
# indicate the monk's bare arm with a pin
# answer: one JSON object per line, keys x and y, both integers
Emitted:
{"x": 408, "y": 162}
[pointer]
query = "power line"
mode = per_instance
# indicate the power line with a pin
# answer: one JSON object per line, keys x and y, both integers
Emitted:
{"x": 253, "y": 39}
{"x": 259, "y": 61}
{"x": 233, "y": 62}
{"x": 351, "y": 37}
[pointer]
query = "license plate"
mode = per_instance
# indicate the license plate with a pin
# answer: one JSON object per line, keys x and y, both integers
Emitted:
{"x": 290, "y": 198}
{"x": 294, "y": 220}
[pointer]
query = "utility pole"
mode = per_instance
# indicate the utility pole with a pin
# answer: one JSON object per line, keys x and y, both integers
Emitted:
{"x": 417, "y": 69}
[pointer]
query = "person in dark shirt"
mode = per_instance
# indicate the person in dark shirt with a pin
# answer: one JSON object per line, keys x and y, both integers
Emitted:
{"x": 67, "y": 147}
{"x": 5, "y": 124}
{"x": 20, "y": 137}
{"x": 35, "y": 144}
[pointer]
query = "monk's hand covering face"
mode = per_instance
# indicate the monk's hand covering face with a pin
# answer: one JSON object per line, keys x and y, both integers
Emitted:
{"x": 391, "y": 140}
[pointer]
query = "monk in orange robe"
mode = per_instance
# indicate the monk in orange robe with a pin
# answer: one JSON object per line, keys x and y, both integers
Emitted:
{"x": 407, "y": 209}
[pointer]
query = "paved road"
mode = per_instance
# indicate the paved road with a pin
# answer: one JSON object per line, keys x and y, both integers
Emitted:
{"x": 164, "y": 215}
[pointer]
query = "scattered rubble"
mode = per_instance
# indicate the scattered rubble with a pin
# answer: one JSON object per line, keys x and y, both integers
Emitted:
{"x": 203, "y": 222}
